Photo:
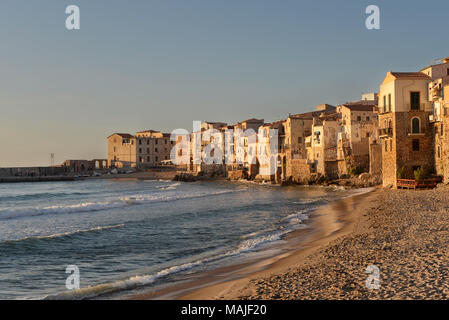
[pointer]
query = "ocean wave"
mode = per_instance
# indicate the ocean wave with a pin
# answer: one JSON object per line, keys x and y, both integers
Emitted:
{"x": 65, "y": 234}
{"x": 143, "y": 280}
{"x": 169, "y": 187}
{"x": 103, "y": 205}
{"x": 297, "y": 217}
{"x": 41, "y": 195}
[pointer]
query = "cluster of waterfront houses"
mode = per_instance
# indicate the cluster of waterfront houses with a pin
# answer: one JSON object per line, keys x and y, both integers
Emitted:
{"x": 402, "y": 128}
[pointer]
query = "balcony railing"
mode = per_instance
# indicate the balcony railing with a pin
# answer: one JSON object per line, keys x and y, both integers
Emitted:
{"x": 420, "y": 107}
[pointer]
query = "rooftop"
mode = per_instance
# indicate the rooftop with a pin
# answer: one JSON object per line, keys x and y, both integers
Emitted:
{"x": 123, "y": 135}
{"x": 409, "y": 75}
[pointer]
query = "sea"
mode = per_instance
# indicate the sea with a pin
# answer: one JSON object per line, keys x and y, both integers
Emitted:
{"x": 113, "y": 236}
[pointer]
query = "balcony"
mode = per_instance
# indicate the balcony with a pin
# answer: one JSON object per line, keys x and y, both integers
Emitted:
{"x": 420, "y": 107}
{"x": 385, "y": 132}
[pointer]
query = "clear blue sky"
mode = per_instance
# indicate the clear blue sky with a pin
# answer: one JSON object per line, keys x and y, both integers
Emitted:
{"x": 144, "y": 64}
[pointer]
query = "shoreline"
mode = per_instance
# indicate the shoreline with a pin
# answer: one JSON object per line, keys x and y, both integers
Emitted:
{"x": 325, "y": 224}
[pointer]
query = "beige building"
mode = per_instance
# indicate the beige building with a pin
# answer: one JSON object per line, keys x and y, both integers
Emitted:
{"x": 208, "y": 143}
{"x": 145, "y": 149}
{"x": 244, "y": 147}
{"x": 152, "y": 147}
{"x": 358, "y": 131}
{"x": 322, "y": 145}
{"x": 122, "y": 150}
{"x": 439, "y": 99}
{"x": 272, "y": 167}
{"x": 404, "y": 128}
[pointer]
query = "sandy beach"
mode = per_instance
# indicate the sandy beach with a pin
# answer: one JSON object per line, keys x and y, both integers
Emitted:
{"x": 403, "y": 233}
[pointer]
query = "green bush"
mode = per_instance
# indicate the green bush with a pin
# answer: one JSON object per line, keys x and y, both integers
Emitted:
{"x": 400, "y": 172}
{"x": 419, "y": 174}
{"x": 354, "y": 171}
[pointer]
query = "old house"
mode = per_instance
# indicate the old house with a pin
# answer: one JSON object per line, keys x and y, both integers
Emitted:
{"x": 152, "y": 147}
{"x": 404, "y": 128}
{"x": 322, "y": 145}
{"x": 271, "y": 137}
{"x": 359, "y": 130}
{"x": 145, "y": 149}
{"x": 122, "y": 150}
{"x": 244, "y": 163}
{"x": 439, "y": 74}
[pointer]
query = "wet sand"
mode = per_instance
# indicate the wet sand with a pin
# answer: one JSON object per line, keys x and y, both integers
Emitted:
{"x": 328, "y": 223}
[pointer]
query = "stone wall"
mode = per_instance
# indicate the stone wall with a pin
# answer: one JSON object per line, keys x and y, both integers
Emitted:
{"x": 397, "y": 151}
{"x": 375, "y": 158}
{"x": 299, "y": 171}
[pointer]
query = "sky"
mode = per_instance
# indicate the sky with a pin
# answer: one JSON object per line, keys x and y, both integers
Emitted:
{"x": 144, "y": 64}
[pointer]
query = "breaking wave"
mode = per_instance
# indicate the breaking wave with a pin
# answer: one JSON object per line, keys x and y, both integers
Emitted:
{"x": 121, "y": 202}
{"x": 66, "y": 234}
{"x": 143, "y": 280}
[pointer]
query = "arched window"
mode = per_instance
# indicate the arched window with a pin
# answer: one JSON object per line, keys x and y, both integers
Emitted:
{"x": 415, "y": 125}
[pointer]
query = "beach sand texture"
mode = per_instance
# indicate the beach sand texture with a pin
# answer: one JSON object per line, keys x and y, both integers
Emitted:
{"x": 404, "y": 233}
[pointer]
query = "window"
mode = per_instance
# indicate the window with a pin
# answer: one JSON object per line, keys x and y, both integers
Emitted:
{"x": 448, "y": 71}
{"x": 140, "y": 150}
{"x": 148, "y": 150}
{"x": 439, "y": 152}
{"x": 156, "y": 159}
{"x": 367, "y": 118}
{"x": 367, "y": 134}
{"x": 165, "y": 143}
{"x": 386, "y": 146}
{"x": 148, "y": 141}
{"x": 391, "y": 144}
{"x": 299, "y": 139}
{"x": 148, "y": 159}
{"x": 415, "y": 126}
{"x": 155, "y": 149}
{"x": 385, "y": 103}
{"x": 441, "y": 130}
{"x": 140, "y": 159}
{"x": 389, "y": 102}
{"x": 359, "y": 118}
{"x": 415, "y": 145}
{"x": 115, "y": 150}
{"x": 140, "y": 141}
{"x": 156, "y": 142}
{"x": 414, "y": 100}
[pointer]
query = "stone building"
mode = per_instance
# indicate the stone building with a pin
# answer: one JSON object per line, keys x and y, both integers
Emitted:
{"x": 152, "y": 147}
{"x": 439, "y": 74}
{"x": 358, "y": 130}
{"x": 404, "y": 128}
{"x": 122, "y": 150}
{"x": 272, "y": 167}
{"x": 322, "y": 145}
{"x": 293, "y": 150}
{"x": 145, "y": 149}
{"x": 208, "y": 142}
{"x": 244, "y": 162}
